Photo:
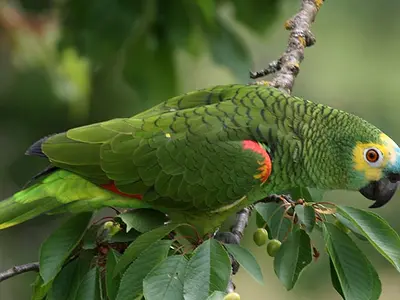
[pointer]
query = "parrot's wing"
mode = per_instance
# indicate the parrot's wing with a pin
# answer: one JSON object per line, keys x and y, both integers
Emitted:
{"x": 199, "y": 174}
{"x": 197, "y": 98}
{"x": 168, "y": 155}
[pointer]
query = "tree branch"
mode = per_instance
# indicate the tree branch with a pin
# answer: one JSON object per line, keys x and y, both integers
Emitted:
{"x": 287, "y": 66}
{"x": 242, "y": 219}
{"x": 286, "y": 69}
{"x": 17, "y": 270}
{"x": 273, "y": 67}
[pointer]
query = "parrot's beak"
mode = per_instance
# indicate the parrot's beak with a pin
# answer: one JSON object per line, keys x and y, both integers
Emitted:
{"x": 381, "y": 191}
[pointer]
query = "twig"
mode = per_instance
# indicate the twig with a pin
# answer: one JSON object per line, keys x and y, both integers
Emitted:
{"x": 242, "y": 219}
{"x": 17, "y": 270}
{"x": 286, "y": 69}
{"x": 300, "y": 38}
{"x": 273, "y": 67}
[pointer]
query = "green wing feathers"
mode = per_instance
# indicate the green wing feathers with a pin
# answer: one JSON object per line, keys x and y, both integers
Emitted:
{"x": 61, "y": 191}
{"x": 184, "y": 154}
{"x": 169, "y": 173}
{"x": 194, "y": 99}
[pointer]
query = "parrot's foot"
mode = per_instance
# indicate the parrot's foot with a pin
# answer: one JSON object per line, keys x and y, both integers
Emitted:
{"x": 229, "y": 238}
{"x": 278, "y": 198}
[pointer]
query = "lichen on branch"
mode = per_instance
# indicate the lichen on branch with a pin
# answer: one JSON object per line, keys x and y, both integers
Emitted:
{"x": 287, "y": 67}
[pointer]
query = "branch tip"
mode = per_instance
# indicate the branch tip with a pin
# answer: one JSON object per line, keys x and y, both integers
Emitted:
{"x": 17, "y": 270}
{"x": 300, "y": 38}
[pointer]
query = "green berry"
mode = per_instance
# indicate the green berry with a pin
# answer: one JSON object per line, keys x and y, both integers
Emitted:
{"x": 342, "y": 227}
{"x": 273, "y": 247}
{"x": 108, "y": 224}
{"x": 232, "y": 296}
{"x": 260, "y": 236}
{"x": 112, "y": 228}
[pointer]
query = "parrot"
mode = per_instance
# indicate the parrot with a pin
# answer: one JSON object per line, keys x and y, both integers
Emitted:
{"x": 205, "y": 155}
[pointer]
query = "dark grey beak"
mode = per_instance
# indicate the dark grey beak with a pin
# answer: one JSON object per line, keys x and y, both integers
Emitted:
{"x": 381, "y": 191}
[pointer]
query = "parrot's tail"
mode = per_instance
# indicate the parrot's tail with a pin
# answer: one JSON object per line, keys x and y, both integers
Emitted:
{"x": 58, "y": 192}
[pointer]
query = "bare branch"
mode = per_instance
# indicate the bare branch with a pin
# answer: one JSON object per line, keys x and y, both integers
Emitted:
{"x": 286, "y": 69}
{"x": 17, "y": 270}
{"x": 273, "y": 67}
{"x": 242, "y": 219}
{"x": 300, "y": 38}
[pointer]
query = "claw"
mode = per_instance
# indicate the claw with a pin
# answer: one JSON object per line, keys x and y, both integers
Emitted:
{"x": 229, "y": 238}
{"x": 277, "y": 198}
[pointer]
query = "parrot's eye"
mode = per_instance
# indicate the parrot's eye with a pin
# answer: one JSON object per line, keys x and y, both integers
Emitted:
{"x": 373, "y": 156}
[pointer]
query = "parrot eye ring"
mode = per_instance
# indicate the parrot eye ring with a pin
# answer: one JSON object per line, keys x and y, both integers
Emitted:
{"x": 373, "y": 156}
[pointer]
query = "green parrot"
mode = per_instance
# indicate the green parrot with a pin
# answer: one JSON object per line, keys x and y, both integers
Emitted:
{"x": 205, "y": 155}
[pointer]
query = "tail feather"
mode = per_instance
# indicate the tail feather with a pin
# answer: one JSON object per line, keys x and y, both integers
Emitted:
{"x": 59, "y": 192}
{"x": 36, "y": 148}
{"x": 48, "y": 170}
{"x": 13, "y": 212}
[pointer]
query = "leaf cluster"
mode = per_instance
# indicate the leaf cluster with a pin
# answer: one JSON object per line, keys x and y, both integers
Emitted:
{"x": 140, "y": 255}
{"x": 352, "y": 274}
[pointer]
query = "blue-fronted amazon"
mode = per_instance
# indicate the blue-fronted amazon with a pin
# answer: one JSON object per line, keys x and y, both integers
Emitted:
{"x": 204, "y": 155}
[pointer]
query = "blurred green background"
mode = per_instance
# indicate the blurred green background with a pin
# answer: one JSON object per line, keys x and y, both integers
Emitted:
{"x": 73, "y": 62}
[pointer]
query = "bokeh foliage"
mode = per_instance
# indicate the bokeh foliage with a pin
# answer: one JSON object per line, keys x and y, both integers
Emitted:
{"x": 360, "y": 76}
{"x": 146, "y": 34}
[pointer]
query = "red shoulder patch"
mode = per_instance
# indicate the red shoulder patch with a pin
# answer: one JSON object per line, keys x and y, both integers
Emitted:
{"x": 265, "y": 165}
{"x": 113, "y": 188}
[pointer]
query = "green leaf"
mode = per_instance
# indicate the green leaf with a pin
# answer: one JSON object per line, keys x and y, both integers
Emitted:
{"x": 316, "y": 194}
{"x": 39, "y": 290}
{"x": 123, "y": 237}
{"x": 260, "y": 222}
{"x": 131, "y": 285}
{"x": 207, "y": 271}
{"x": 350, "y": 226}
{"x": 293, "y": 256}
{"x": 89, "y": 288}
{"x": 165, "y": 281}
{"x": 217, "y": 295}
{"x": 272, "y": 214}
{"x": 358, "y": 278}
{"x": 335, "y": 279}
{"x": 247, "y": 260}
{"x": 142, "y": 243}
{"x": 229, "y": 50}
{"x": 66, "y": 283}
{"x": 378, "y": 232}
{"x": 57, "y": 248}
{"x": 307, "y": 194}
{"x": 112, "y": 283}
{"x": 90, "y": 238}
{"x": 143, "y": 219}
{"x": 306, "y": 215}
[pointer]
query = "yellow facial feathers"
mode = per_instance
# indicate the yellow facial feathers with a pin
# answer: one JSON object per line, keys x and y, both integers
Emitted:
{"x": 373, "y": 171}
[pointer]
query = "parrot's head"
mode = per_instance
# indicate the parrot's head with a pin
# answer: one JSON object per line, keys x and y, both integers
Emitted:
{"x": 375, "y": 170}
